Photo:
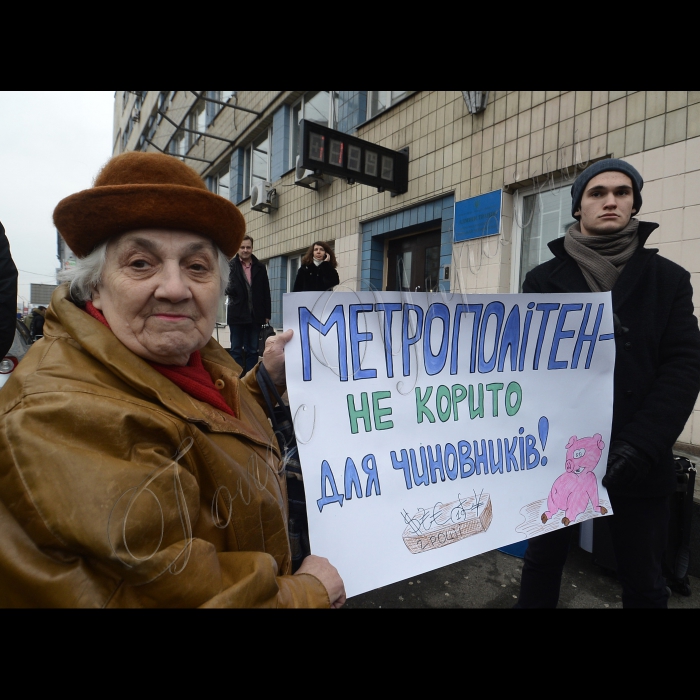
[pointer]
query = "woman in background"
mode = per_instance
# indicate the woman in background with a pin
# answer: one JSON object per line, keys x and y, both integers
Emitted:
{"x": 317, "y": 272}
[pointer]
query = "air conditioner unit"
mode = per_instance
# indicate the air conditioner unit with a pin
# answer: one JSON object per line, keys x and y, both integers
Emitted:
{"x": 314, "y": 180}
{"x": 263, "y": 197}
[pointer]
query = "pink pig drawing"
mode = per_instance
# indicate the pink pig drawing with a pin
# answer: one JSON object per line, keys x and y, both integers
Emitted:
{"x": 577, "y": 485}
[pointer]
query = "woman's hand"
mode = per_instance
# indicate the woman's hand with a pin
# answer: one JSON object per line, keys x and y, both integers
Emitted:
{"x": 273, "y": 357}
{"x": 327, "y": 258}
{"x": 328, "y": 575}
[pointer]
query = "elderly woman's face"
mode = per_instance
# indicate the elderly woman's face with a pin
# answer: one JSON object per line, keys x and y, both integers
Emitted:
{"x": 160, "y": 293}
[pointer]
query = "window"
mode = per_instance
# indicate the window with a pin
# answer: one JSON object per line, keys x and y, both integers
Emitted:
{"x": 219, "y": 96}
{"x": 319, "y": 107}
{"x": 178, "y": 145}
{"x": 196, "y": 121}
{"x": 379, "y": 100}
{"x": 149, "y": 130}
{"x": 256, "y": 163}
{"x": 126, "y": 134}
{"x": 162, "y": 104}
{"x": 219, "y": 182}
{"x": 539, "y": 217}
{"x": 213, "y": 106}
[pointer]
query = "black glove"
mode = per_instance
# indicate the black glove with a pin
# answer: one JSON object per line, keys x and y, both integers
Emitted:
{"x": 626, "y": 464}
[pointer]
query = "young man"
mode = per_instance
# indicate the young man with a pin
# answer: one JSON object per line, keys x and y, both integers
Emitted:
{"x": 656, "y": 380}
{"x": 249, "y": 304}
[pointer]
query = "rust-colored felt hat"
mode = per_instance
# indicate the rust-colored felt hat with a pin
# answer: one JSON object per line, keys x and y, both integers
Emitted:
{"x": 147, "y": 190}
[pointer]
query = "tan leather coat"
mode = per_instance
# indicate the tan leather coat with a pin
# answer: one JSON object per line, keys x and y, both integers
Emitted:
{"x": 117, "y": 489}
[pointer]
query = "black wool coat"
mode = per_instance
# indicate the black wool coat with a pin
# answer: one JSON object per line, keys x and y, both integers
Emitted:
{"x": 248, "y": 303}
{"x": 8, "y": 295}
{"x": 37, "y": 327}
{"x": 316, "y": 278}
{"x": 657, "y": 346}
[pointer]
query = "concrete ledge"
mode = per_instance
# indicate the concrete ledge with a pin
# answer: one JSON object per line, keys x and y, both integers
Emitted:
{"x": 686, "y": 449}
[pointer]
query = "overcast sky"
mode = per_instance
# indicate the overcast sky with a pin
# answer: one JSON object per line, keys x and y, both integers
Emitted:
{"x": 52, "y": 144}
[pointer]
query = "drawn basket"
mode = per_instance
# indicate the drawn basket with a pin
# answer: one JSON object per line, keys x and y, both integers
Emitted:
{"x": 462, "y": 519}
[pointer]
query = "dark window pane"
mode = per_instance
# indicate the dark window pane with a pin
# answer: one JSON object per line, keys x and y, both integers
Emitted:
{"x": 432, "y": 268}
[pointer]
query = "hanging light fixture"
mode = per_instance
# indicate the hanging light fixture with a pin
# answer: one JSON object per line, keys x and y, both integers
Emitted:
{"x": 475, "y": 101}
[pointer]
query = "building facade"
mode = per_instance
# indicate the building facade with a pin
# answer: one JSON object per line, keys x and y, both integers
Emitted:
{"x": 66, "y": 257}
{"x": 526, "y": 145}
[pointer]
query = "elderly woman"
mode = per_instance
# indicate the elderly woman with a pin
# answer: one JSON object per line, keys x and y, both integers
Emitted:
{"x": 151, "y": 477}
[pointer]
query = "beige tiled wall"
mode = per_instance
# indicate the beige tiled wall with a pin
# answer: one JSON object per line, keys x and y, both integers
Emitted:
{"x": 671, "y": 197}
{"x": 348, "y": 250}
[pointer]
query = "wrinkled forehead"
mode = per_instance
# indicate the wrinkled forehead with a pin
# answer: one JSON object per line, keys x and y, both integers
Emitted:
{"x": 161, "y": 241}
{"x": 610, "y": 179}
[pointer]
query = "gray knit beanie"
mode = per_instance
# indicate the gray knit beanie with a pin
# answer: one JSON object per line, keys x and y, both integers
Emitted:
{"x": 600, "y": 167}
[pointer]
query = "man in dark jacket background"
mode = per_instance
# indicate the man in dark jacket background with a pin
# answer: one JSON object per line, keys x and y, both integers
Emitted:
{"x": 8, "y": 295}
{"x": 249, "y": 304}
{"x": 37, "y": 327}
{"x": 656, "y": 379}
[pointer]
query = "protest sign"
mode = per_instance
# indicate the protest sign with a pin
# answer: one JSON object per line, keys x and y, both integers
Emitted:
{"x": 434, "y": 427}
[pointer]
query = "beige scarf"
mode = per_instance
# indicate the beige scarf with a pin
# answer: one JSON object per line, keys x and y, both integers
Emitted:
{"x": 602, "y": 258}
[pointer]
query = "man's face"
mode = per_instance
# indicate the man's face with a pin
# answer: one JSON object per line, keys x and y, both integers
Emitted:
{"x": 245, "y": 251}
{"x": 606, "y": 204}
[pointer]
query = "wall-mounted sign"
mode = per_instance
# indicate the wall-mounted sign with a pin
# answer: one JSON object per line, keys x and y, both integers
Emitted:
{"x": 328, "y": 151}
{"x": 477, "y": 217}
{"x": 41, "y": 293}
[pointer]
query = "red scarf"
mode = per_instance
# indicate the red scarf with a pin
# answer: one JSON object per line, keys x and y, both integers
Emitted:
{"x": 193, "y": 379}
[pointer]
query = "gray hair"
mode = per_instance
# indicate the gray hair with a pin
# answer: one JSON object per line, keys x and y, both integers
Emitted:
{"x": 86, "y": 274}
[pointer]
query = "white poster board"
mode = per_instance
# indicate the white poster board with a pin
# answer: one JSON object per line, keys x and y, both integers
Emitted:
{"x": 434, "y": 427}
